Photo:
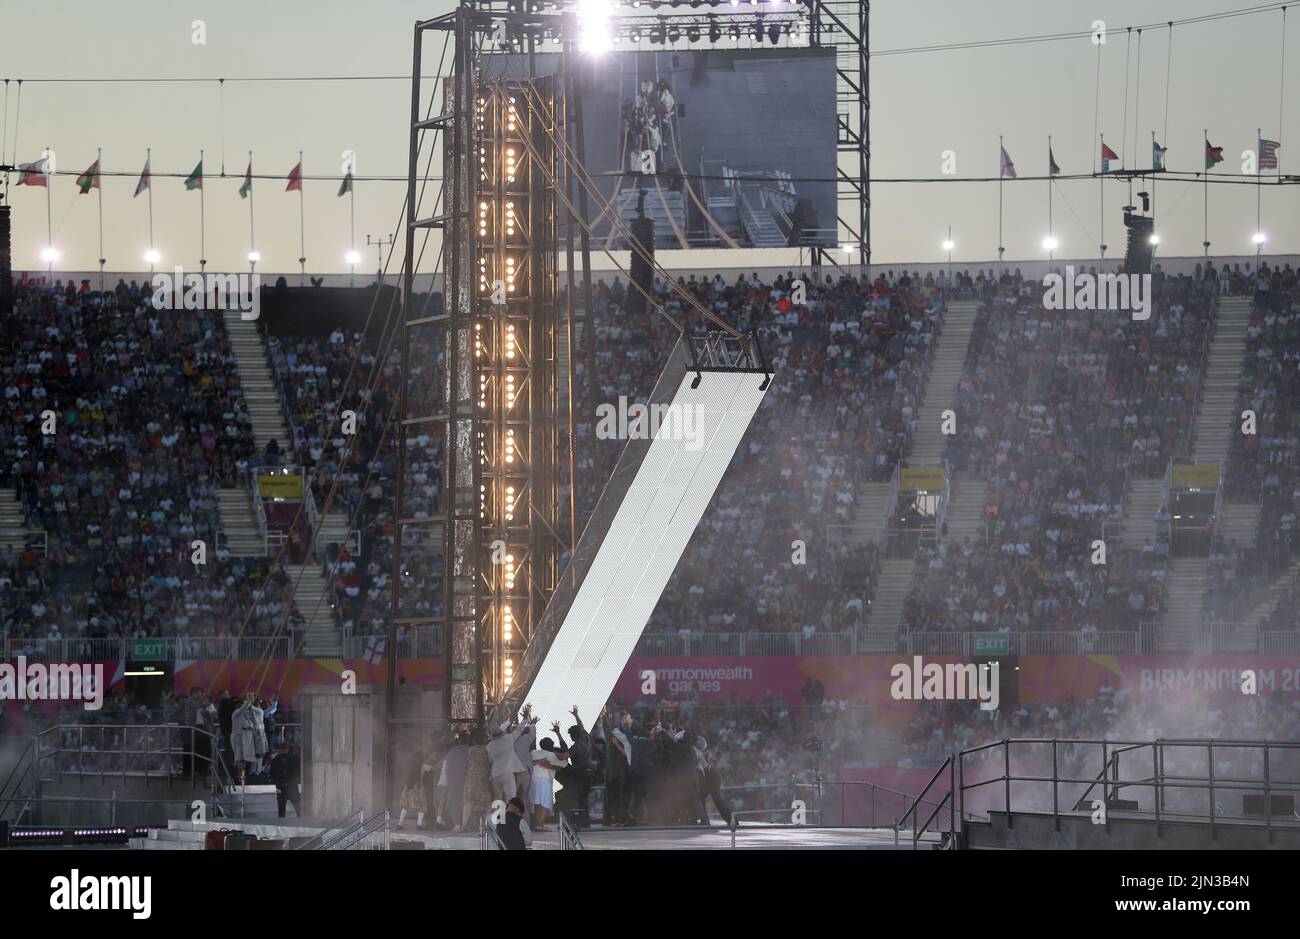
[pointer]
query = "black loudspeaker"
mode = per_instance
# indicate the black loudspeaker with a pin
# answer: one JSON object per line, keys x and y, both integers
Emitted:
{"x": 1137, "y": 256}
{"x": 643, "y": 255}
{"x": 6, "y": 265}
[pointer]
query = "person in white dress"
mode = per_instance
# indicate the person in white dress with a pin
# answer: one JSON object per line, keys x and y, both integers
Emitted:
{"x": 542, "y": 789}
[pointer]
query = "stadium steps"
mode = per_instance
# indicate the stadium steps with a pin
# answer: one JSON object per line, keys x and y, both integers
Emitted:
{"x": 870, "y": 517}
{"x": 239, "y": 523}
{"x": 1267, "y": 603}
{"x": 1239, "y": 522}
{"x": 311, "y": 594}
{"x": 885, "y": 613}
{"x": 946, "y": 364}
{"x": 258, "y": 383}
{"x": 1217, "y": 414}
{"x": 1180, "y": 628}
{"x": 967, "y": 499}
{"x": 13, "y": 529}
{"x": 760, "y": 227}
{"x": 1146, "y": 496}
{"x": 657, "y": 207}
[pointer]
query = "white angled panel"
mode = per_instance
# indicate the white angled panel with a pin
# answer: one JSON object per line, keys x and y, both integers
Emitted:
{"x": 654, "y": 523}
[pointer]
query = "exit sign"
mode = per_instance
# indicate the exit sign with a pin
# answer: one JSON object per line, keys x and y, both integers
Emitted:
{"x": 148, "y": 650}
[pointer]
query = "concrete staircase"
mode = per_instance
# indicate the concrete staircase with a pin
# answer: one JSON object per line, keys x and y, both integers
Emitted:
{"x": 1239, "y": 522}
{"x": 258, "y": 382}
{"x": 1144, "y": 501}
{"x": 1217, "y": 415}
{"x": 967, "y": 499}
{"x": 885, "y": 614}
{"x": 321, "y": 639}
{"x": 1180, "y": 628}
{"x": 13, "y": 530}
{"x": 239, "y": 523}
{"x": 945, "y": 373}
{"x": 870, "y": 516}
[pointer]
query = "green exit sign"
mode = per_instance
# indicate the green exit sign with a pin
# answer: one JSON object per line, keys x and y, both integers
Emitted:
{"x": 148, "y": 650}
{"x": 992, "y": 644}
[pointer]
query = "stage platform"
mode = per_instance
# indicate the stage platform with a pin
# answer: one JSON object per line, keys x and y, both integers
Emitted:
{"x": 188, "y": 836}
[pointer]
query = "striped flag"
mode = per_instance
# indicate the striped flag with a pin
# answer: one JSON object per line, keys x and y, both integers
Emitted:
{"x": 1008, "y": 169}
{"x": 34, "y": 174}
{"x": 1268, "y": 154}
{"x": 295, "y": 179}
{"x": 143, "y": 184}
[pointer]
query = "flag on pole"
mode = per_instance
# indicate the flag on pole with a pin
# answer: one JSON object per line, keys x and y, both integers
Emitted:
{"x": 195, "y": 179}
{"x": 34, "y": 174}
{"x": 1008, "y": 170}
{"x": 346, "y": 186}
{"x": 375, "y": 648}
{"x": 90, "y": 179}
{"x": 247, "y": 187}
{"x": 1107, "y": 154}
{"x": 1157, "y": 156}
{"x": 143, "y": 184}
{"x": 1268, "y": 154}
{"x": 295, "y": 179}
{"x": 1052, "y": 168}
{"x": 1213, "y": 155}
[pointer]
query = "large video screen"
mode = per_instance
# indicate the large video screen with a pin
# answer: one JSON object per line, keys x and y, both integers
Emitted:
{"x": 716, "y": 148}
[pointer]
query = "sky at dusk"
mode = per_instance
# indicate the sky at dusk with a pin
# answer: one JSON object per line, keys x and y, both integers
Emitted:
{"x": 1226, "y": 76}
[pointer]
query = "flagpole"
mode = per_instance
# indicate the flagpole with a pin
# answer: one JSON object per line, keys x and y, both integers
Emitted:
{"x": 352, "y": 228}
{"x": 302, "y": 237}
{"x": 203, "y": 223}
{"x": 1153, "y": 176}
{"x": 1101, "y": 201}
{"x": 252, "y": 239}
{"x": 1206, "y": 224}
{"x": 99, "y": 155}
{"x": 1050, "y": 233}
{"x": 1259, "y": 191}
{"x": 1001, "y": 150}
{"x": 49, "y": 210}
{"x": 148, "y": 156}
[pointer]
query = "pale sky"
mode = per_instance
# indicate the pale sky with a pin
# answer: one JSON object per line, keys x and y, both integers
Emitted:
{"x": 1226, "y": 77}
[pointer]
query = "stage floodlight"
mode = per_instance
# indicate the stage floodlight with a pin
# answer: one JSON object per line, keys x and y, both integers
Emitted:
{"x": 1154, "y": 239}
{"x": 674, "y": 34}
{"x": 715, "y": 32}
{"x": 636, "y": 535}
{"x": 594, "y": 27}
{"x": 848, "y": 248}
{"x": 49, "y": 254}
{"x": 1258, "y": 238}
{"x": 635, "y": 35}
{"x": 774, "y": 33}
{"x": 692, "y": 33}
{"x": 254, "y": 257}
{"x": 1050, "y": 243}
{"x": 657, "y": 34}
{"x": 758, "y": 29}
{"x": 948, "y": 245}
{"x": 152, "y": 257}
{"x": 353, "y": 257}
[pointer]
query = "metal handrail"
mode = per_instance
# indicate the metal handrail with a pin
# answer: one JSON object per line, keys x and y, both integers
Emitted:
{"x": 357, "y": 834}
{"x": 919, "y": 829}
{"x": 569, "y": 840}
{"x": 318, "y": 840}
{"x": 489, "y": 839}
